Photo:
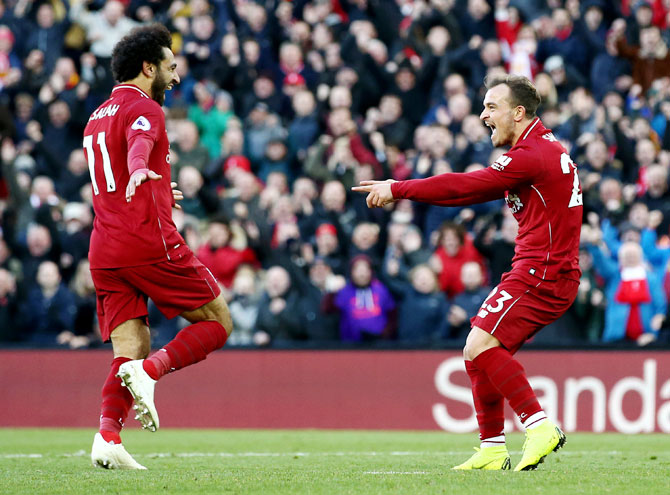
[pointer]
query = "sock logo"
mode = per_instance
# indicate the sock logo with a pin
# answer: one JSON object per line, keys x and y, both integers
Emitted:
{"x": 523, "y": 416}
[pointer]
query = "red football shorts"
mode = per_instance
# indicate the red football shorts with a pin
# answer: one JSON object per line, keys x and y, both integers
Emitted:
{"x": 521, "y": 305}
{"x": 181, "y": 284}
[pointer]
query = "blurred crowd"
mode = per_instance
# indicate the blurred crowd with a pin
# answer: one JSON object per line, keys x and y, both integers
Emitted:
{"x": 284, "y": 105}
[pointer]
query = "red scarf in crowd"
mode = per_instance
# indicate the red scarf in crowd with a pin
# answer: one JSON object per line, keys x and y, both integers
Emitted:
{"x": 633, "y": 290}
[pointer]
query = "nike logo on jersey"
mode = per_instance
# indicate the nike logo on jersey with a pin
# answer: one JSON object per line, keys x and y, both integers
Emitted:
{"x": 141, "y": 124}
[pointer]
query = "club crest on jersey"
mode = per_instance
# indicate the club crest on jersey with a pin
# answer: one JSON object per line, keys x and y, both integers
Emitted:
{"x": 549, "y": 136}
{"x": 141, "y": 124}
{"x": 501, "y": 163}
{"x": 514, "y": 203}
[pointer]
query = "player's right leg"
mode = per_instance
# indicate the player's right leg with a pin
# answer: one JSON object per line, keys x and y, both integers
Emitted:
{"x": 130, "y": 341}
{"x": 489, "y": 406}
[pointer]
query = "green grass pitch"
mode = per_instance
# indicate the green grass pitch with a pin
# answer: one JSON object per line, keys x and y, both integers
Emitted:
{"x": 53, "y": 461}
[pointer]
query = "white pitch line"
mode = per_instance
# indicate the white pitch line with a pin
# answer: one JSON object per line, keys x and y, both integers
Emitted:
{"x": 396, "y": 472}
{"x": 83, "y": 453}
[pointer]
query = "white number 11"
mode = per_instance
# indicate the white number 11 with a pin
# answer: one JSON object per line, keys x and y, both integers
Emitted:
{"x": 106, "y": 162}
{"x": 576, "y": 197}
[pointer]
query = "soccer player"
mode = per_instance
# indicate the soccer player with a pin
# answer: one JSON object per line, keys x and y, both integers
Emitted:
{"x": 539, "y": 182}
{"x": 136, "y": 251}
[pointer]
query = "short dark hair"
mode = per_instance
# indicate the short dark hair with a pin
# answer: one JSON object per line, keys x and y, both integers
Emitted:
{"x": 142, "y": 44}
{"x": 522, "y": 91}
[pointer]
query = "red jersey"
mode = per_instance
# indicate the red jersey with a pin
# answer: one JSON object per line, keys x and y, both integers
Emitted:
{"x": 539, "y": 182}
{"x": 141, "y": 231}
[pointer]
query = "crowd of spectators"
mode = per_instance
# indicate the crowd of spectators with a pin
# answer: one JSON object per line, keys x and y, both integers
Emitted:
{"x": 283, "y": 105}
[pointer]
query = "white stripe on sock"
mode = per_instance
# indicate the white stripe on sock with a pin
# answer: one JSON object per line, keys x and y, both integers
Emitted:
{"x": 535, "y": 420}
{"x": 493, "y": 441}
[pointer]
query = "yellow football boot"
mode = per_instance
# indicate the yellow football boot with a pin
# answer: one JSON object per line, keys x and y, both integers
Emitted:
{"x": 489, "y": 458}
{"x": 540, "y": 442}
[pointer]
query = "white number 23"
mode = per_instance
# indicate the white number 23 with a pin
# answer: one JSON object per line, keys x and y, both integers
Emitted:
{"x": 567, "y": 165}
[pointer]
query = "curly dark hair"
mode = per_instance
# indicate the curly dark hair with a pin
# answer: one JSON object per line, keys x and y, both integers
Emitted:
{"x": 142, "y": 44}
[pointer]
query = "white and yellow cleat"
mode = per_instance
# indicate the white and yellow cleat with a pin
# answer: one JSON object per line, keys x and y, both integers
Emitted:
{"x": 111, "y": 456}
{"x": 487, "y": 458}
{"x": 141, "y": 386}
{"x": 540, "y": 442}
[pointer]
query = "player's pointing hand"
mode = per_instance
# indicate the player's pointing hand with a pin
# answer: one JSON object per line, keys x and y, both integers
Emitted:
{"x": 137, "y": 178}
{"x": 379, "y": 192}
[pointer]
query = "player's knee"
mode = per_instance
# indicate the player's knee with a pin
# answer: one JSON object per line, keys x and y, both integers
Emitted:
{"x": 221, "y": 313}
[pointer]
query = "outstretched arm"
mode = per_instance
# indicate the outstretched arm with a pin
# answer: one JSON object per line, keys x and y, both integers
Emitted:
{"x": 449, "y": 189}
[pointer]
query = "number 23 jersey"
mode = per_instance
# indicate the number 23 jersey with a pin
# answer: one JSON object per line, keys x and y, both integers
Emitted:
{"x": 141, "y": 231}
{"x": 540, "y": 184}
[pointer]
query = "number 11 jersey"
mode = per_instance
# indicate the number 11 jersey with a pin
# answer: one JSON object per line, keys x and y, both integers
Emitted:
{"x": 141, "y": 231}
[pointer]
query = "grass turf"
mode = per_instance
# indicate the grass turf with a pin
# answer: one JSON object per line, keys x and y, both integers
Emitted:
{"x": 324, "y": 462}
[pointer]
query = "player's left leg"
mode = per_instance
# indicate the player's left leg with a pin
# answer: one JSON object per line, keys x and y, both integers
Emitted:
{"x": 211, "y": 325}
{"x": 509, "y": 377}
{"x": 210, "y": 328}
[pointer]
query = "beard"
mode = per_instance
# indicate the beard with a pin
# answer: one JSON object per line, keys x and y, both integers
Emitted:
{"x": 158, "y": 88}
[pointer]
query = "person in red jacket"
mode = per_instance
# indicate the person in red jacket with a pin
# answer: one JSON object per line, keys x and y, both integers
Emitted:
{"x": 540, "y": 184}
{"x": 220, "y": 257}
{"x": 454, "y": 249}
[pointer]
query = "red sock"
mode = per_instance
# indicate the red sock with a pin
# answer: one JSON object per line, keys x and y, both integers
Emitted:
{"x": 509, "y": 377}
{"x": 489, "y": 403}
{"x": 116, "y": 402}
{"x": 189, "y": 346}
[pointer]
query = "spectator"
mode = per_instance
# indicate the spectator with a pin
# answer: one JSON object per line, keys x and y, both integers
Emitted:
{"x": 187, "y": 150}
{"x": 589, "y": 306}
{"x": 650, "y": 60}
{"x": 366, "y": 308}
{"x": 497, "y": 246}
{"x": 304, "y": 128}
{"x": 49, "y": 309}
{"x": 455, "y": 248}
{"x": 47, "y": 34}
{"x": 85, "y": 331}
{"x": 422, "y": 308}
{"x": 328, "y": 248}
{"x": 365, "y": 240}
{"x": 211, "y": 114}
{"x": 219, "y": 255}
{"x": 9, "y": 308}
{"x": 104, "y": 28}
{"x": 636, "y": 303}
{"x": 244, "y": 305}
{"x": 466, "y": 304}
{"x": 10, "y": 63}
{"x": 74, "y": 177}
{"x": 319, "y": 327}
{"x": 275, "y": 160}
{"x": 278, "y": 321}
{"x": 198, "y": 201}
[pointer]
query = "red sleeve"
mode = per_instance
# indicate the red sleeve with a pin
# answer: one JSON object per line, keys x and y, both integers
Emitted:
{"x": 508, "y": 172}
{"x": 144, "y": 122}
{"x": 138, "y": 153}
